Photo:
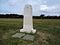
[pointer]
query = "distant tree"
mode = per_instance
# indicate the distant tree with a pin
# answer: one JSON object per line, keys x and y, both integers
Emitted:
{"x": 42, "y": 15}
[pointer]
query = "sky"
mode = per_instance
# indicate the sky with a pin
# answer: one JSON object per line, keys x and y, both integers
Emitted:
{"x": 47, "y": 7}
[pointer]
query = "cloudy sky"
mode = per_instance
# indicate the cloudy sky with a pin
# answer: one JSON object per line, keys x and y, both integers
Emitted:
{"x": 47, "y": 7}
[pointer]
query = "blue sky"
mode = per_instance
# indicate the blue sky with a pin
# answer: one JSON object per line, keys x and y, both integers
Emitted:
{"x": 47, "y": 7}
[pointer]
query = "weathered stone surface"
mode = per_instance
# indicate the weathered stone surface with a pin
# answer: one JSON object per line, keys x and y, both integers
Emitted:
{"x": 28, "y": 21}
{"x": 18, "y": 35}
{"x": 29, "y": 37}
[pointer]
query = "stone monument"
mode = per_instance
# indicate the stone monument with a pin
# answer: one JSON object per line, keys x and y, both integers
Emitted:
{"x": 28, "y": 21}
{"x": 27, "y": 25}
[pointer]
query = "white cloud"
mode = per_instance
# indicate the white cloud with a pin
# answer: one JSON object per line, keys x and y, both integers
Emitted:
{"x": 36, "y": 2}
{"x": 32, "y": 2}
{"x": 13, "y": 2}
{"x": 47, "y": 8}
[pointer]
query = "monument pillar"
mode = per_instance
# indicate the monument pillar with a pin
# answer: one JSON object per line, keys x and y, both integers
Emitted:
{"x": 27, "y": 21}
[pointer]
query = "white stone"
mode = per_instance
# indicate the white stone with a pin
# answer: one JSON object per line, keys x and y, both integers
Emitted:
{"x": 27, "y": 21}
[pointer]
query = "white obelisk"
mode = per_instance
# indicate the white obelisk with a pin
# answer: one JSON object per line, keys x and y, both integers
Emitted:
{"x": 27, "y": 21}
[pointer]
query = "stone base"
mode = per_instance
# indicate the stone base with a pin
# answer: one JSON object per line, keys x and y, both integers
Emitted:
{"x": 28, "y": 31}
{"x": 18, "y": 35}
{"x": 29, "y": 37}
{"x": 24, "y": 36}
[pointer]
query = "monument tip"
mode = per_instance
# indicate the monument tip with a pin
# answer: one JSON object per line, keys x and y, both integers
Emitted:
{"x": 28, "y": 5}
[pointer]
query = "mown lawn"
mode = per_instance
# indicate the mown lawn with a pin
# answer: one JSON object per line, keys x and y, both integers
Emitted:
{"x": 47, "y": 29}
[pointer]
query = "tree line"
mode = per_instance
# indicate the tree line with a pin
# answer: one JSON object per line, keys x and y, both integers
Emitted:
{"x": 10, "y": 16}
{"x": 42, "y": 16}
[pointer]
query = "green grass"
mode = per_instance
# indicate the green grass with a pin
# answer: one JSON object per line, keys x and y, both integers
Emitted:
{"x": 49, "y": 27}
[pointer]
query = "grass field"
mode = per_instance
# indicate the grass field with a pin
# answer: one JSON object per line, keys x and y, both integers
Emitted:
{"x": 48, "y": 32}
